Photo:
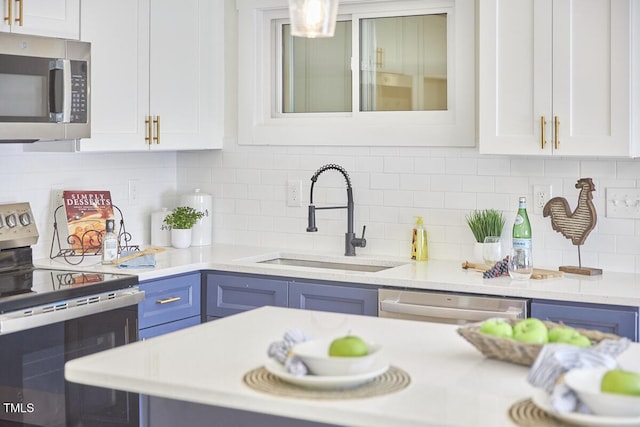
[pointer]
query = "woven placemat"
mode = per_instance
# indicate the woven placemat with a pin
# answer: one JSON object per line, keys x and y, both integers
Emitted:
{"x": 526, "y": 414}
{"x": 394, "y": 379}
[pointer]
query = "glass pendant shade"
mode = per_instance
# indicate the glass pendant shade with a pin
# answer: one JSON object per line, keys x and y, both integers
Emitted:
{"x": 313, "y": 18}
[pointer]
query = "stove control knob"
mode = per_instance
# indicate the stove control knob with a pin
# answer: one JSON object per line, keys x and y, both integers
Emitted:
{"x": 1, "y": 222}
{"x": 10, "y": 220}
{"x": 25, "y": 219}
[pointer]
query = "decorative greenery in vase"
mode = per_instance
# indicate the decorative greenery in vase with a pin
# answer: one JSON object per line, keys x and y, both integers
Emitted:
{"x": 183, "y": 218}
{"x": 487, "y": 222}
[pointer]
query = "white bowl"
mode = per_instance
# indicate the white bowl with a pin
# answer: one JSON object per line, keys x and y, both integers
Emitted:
{"x": 315, "y": 354}
{"x": 586, "y": 384}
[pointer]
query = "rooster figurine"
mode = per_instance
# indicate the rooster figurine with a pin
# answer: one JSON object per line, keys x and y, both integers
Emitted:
{"x": 574, "y": 225}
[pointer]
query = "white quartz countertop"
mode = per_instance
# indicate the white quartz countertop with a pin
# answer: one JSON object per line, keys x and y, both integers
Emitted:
{"x": 608, "y": 288}
{"x": 452, "y": 384}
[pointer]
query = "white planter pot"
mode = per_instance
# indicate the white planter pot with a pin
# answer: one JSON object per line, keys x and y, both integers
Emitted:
{"x": 477, "y": 252}
{"x": 180, "y": 239}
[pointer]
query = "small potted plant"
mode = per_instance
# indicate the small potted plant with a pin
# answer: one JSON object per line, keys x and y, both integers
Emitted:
{"x": 487, "y": 223}
{"x": 181, "y": 220}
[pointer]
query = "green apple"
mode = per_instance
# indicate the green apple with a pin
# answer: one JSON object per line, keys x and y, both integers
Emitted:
{"x": 497, "y": 327}
{"x": 565, "y": 335}
{"x": 619, "y": 381}
{"x": 349, "y": 346}
{"x": 531, "y": 330}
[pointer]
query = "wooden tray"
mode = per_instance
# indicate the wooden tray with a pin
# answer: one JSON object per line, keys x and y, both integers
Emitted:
{"x": 538, "y": 273}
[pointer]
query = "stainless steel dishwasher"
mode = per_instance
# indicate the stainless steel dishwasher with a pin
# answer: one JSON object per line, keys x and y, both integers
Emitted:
{"x": 444, "y": 307}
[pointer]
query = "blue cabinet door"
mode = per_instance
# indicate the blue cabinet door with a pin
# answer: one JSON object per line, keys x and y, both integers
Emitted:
{"x": 229, "y": 294}
{"x": 619, "y": 320}
{"x": 169, "y": 299}
{"x": 333, "y": 297}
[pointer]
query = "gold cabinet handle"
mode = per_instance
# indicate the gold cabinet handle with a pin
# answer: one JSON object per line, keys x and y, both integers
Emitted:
{"x": 19, "y": 19}
{"x": 156, "y": 122}
{"x": 543, "y": 124}
{"x": 168, "y": 300}
{"x": 556, "y": 142}
{"x": 148, "y": 129}
{"x": 9, "y": 16}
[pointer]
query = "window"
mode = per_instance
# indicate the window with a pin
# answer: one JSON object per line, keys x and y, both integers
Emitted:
{"x": 396, "y": 73}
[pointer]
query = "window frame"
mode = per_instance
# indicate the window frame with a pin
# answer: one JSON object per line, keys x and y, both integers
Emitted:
{"x": 260, "y": 118}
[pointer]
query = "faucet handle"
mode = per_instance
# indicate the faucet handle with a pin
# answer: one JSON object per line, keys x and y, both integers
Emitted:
{"x": 360, "y": 242}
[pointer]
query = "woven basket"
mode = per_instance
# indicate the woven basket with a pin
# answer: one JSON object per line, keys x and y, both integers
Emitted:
{"x": 514, "y": 351}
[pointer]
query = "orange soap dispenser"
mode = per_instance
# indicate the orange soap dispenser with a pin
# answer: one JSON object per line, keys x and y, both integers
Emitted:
{"x": 419, "y": 249}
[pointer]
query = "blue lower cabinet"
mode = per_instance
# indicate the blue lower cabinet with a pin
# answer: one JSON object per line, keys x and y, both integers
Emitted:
{"x": 165, "y": 328}
{"x": 229, "y": 294}
{"x": 333, "y": 297}
{"x": 169, "y": 299}
{"x": 619, "y": 320}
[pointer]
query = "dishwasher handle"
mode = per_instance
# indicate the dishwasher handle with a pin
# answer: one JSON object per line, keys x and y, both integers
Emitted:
{"x": 392, "y": 306}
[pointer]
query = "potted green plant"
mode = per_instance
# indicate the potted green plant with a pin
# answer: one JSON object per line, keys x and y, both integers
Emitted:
{"x": 181, "y": 220}
{"x": 486, "y": 223}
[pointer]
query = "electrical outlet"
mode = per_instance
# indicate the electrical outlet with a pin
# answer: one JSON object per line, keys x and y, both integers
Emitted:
{"x": 133, "y": 191}
{"x": 541, "y": 195}
{"x": 294, "y": 192}
{"x": 56, "y": 197}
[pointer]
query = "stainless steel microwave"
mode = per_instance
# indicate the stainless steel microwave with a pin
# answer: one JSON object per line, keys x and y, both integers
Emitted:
{"x": 45, "y": 88}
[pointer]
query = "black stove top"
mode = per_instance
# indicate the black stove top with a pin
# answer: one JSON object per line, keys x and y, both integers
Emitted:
{"x": 24, "y": 286}
{"x": 29, "y": 287}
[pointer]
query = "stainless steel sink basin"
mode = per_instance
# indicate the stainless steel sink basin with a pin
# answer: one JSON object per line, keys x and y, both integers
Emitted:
{"x": 333, "y": 265}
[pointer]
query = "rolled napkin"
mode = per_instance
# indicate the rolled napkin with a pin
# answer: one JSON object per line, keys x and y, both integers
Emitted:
{"x": 143, "y": 261}
{"x": 281, "y": 351}
{"x": 555, "y": 360}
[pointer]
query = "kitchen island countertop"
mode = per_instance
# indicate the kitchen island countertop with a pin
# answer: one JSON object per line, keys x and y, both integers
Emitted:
{"x": 440, "y": 275}
{"x": 452, "y": 384}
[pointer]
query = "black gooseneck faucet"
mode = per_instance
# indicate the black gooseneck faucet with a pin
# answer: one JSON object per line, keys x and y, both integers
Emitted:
{"x": 351, "y": 242}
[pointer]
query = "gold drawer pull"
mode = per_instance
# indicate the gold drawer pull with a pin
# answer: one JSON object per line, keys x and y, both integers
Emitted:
{"x": 156, "y": 122}
{"x": 556, "y": 143}
{"x": 9, "y": 16}
{"x": 148, "y": 129}
{"x": 168, "y": 300}
{"x": 19, "y": 20}
{"x": 543, "y": 124}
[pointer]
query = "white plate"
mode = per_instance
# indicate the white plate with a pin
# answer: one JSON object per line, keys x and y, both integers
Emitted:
{"x": 326, "y": 382}
{"x": 541, "y": 400}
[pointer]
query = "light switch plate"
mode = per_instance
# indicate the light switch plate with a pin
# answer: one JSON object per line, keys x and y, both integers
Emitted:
{"x": 623, "y": 203}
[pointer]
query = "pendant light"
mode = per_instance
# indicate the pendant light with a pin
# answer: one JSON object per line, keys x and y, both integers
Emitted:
{"x": 313, "y": 18}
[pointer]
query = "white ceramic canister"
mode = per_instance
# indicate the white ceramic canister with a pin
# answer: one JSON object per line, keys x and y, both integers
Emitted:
{"x": 160, "y": 232}
{"x": 203, "y": 202}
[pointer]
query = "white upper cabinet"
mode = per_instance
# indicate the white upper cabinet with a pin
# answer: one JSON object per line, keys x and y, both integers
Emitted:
{"x": 158, "y": 74}
{"x": 53, "y": 18}
{"x": 396, "y": 73}
{"x": 559, "y": 77}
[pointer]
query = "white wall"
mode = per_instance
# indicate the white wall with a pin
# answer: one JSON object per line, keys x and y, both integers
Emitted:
{"x": 30, "y": 177}
{"x": 391, "y": 185}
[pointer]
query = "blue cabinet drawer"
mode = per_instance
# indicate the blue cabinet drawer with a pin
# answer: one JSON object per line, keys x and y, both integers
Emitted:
{"x": 169, "y": 299}
{"x": 619, "y": 320}
{"x": 229, "y": 294}
{"x": 335, "y": 298}
{"x": 165, "y": 328}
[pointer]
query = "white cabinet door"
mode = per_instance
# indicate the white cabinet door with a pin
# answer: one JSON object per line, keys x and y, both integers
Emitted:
{"x": 592, "y": 77}
{"x": 555, "y": 77}
{"x": 120, "y": 73}
{"x": 54, "y": 18}
{"x": 186, "y": 57}
{"x": 164, "y": 62}
{"x": 515, "y": 76}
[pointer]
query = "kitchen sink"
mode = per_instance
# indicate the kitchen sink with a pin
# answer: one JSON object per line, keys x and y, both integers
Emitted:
{"x": 367, "y": 267}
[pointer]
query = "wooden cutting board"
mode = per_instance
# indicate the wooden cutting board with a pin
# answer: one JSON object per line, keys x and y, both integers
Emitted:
{"x": 538, "y": 273}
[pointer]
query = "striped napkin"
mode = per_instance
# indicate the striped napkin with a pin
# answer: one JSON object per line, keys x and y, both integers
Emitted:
{"x": 555, "y": 360}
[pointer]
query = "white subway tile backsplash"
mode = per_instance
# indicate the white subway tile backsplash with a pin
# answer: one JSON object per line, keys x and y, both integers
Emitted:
{"x": 393, "y": 184}
{"x": 385, "y": 181}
